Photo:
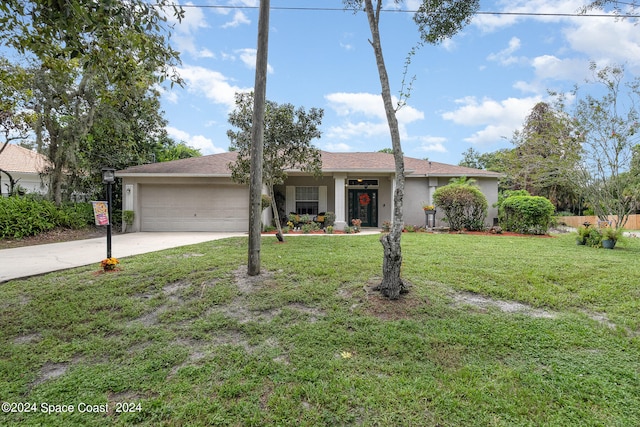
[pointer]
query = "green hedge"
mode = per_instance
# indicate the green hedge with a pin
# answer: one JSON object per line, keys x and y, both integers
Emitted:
{"x": 23, "y": 216}
{"x": 464, "y": 206}
{"x": 526, "y": 214}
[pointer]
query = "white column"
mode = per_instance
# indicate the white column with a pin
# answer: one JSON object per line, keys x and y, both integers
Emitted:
{"x": 339, "y": 204}
{"x": 393, "y": 196}
{"x": 433, "y": 186}
{"x": 267, "y": 215}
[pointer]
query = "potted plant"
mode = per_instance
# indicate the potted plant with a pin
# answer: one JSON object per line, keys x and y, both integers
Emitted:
{"x": 583, "y": 233}
{"x": 356, "y": 223}
{"x": 386, "y": 226}
{"x": 128, "y": 217}
{"x": 610, "y": 236}
{"x": 428, "y": 208}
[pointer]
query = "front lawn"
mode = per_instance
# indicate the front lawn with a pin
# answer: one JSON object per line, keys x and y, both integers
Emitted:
{"x": 496, "y": 331}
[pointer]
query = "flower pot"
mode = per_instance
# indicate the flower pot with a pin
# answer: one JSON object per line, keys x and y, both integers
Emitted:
{"x": 608, "y": 243}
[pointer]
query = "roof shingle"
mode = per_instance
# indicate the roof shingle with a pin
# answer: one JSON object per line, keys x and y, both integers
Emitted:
{"x": 363, "y": 162}
{"x": 19, "y": 159}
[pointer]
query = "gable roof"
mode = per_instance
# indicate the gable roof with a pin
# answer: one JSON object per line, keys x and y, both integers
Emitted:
{"x": 216, "y": 165}
{"x": 19, "y": 159}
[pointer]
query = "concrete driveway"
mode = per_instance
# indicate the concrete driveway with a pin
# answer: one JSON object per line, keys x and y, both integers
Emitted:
{"x": 29, "y": 261}
{"x": 39, "y": 259}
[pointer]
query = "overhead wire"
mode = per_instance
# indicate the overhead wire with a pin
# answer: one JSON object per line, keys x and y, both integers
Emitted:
{"x": 334, "y": 9}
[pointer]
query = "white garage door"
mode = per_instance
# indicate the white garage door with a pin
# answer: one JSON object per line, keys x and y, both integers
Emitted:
{"x": 194, "y": 207}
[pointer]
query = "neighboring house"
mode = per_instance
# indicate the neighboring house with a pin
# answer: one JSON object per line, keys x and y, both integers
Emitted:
{"x": 26, "y": 167}
{"x": 197, "y": 194}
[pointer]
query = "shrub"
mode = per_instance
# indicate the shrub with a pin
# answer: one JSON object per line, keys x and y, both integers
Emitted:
{"x": 329, "y": 219}
{"x": 265, "y": 201}
{"x": 20, "y": 217}
{"x": 75, "y": 215}
{"x": 24, "y": 216}
{"x": 463, "y": 204}
{"x": 594, "y": 238}
{"x": 526, "y": 214}
{"x": 309, "y": 227}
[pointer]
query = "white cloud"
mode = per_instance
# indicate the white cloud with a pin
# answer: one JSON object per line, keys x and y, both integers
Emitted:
{"x": 606, "y": 41}
{"x": 365, "y": 117}
{"x": 432, "y": 144}
{"x": 212, "y": 84}
{"x": 239, "y": 18}
{"x": 369, "y": 105}
{"x": 346, "y": 104}
{"x": 499, "y": 118}
{"x": 491, "y": 134}
{"x": 204, "y": 144}
{"x": 193, "y": 20}
{"x": 505, "y": 56}
{"x": 167, "y": 94}
{"x": 184, "y": 36}
{"x": 339, "y": 147}
{"x": 358, "y": 130}
{"x": 248, "y": 58}
{"x": 544, "y": 10}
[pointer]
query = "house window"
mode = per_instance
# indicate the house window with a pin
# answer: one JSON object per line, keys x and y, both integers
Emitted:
{"x": 307, "y": 200}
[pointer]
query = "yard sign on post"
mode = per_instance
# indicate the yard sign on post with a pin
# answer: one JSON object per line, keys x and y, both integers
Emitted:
{"x": 101, "y": 212}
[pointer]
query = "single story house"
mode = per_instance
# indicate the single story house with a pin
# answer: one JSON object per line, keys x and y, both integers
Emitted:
{"x": 197, "y": 194}
{"x": 26, "y": 167}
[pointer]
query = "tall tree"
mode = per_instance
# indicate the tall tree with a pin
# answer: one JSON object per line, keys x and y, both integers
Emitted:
{"x": 471, "y": 159}
{"x": 546, "y": 148}
{"x": 437, "y": 20}
{"x": 609, "y": 126}
{"x": 627, "y": 8}
{"x": 288, "y": 133}
{"x": 81, "y": 50}
{"x": 15, "y": 116}
{"x": 128, "y": 129}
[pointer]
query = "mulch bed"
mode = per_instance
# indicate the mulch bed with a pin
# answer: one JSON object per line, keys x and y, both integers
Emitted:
{"x": 504, "y": 233}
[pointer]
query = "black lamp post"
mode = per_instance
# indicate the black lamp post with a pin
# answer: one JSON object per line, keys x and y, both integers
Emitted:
{"x": 109, "y": 177}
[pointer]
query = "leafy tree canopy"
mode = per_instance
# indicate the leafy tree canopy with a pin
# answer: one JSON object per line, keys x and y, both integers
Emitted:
{"x": 288, "y": 132}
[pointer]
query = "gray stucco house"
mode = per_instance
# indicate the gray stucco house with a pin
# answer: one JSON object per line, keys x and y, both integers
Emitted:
{"x": 197, "y": 194}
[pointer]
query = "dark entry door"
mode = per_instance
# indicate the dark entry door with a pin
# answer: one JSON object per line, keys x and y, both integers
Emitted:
{"x": 363, "y": 204}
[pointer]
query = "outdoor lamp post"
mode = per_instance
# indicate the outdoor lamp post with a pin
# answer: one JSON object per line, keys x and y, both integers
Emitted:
{"x": 109, "y": 177}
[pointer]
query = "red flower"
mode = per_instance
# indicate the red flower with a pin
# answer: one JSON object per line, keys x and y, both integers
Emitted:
{"x": 364, "y": 199}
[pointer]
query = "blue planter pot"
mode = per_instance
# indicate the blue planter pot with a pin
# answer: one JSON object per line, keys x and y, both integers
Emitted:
{"x": 608, "y": 244}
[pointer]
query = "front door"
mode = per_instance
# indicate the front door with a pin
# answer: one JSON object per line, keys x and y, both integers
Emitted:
{"x": 363, "y": 204}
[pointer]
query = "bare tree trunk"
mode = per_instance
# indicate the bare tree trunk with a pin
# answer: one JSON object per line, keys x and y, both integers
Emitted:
{"x": 392, "y": 284}
{"x": 12, "y": 182}
{"x": 257, "y": 141}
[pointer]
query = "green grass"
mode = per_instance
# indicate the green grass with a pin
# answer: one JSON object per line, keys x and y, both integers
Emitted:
{"x": 187, "y": 336}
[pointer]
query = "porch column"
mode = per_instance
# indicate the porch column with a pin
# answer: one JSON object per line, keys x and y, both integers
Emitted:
{"x": 339, "y": 204}
{"x": 392, "y": 178}
{"x": 266, "y": 215}
{"x": 433, "y": 186}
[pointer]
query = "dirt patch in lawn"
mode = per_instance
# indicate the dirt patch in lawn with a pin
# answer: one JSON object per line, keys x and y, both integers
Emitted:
{"x": 373, "y": 303}
{"x": 482, "y": 302}
{"x": 503, "y": 234}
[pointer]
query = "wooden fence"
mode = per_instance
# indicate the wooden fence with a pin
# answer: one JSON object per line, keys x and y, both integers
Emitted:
{"x": 633, "y": 223}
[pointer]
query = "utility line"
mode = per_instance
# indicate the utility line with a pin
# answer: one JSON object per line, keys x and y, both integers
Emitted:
{"x": 334, "y": 9}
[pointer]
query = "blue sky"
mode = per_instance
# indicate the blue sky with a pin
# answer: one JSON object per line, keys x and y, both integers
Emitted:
{"x": 474, "y": 90}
